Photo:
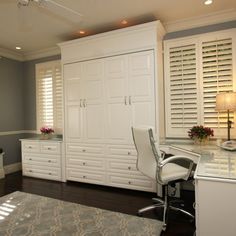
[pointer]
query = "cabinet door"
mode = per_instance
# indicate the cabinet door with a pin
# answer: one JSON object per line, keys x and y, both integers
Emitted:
{"x": 141, "y": 88}
{"x": 73, "y": 101}
{"x": 93, "y": 103}
{"x": 118, "y": 112}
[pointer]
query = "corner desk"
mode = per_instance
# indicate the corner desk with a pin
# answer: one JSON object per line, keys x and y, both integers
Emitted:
{"x": 215, "y": 188}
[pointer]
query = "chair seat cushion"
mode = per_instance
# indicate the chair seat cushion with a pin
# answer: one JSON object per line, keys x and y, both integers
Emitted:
{"x": 172, "y": 172}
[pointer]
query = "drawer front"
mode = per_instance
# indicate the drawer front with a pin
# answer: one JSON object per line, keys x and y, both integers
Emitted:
{"x": 130, "y": 183}
{"x": 30, "y": 146}
{"x": 124, "y": 167}
{"x": 86, "y": 176}
{"x": 81, "y": 148}
{"x": 121, "y": 152}
{"x": 42, "y": 172}
{"x": 50, "y": 147}
{"x": 85, "y": 162}
{"x": 47, "y": 160}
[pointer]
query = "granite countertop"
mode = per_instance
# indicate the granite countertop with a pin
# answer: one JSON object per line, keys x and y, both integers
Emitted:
{"x": 54, "y": 139}
{"x": 214, "y": 162}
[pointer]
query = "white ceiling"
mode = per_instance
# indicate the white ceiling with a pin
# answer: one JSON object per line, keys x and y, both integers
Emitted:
{"x": 35, "y": 28}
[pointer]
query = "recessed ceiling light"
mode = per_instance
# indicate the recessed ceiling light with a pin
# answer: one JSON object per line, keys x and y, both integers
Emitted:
{"x": 124, "y": 22}
{"x": 81, "y": 32}
{"x": 18, "y": 48}
{"x": 208, "y": 2}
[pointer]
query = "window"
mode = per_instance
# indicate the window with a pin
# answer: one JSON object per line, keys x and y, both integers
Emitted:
{"x": 196, "y": 69}
{"x": 49, "y": 95}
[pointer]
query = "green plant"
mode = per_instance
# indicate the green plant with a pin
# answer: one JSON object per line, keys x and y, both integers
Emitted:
{"x": 200, "y": 132}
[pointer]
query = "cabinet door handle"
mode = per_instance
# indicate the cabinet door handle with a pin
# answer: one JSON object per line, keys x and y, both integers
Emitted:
{"x": 30, "y": 147}
{"x": 84, "y": 150}
{"x": 84, "y": 102}
{"x": 49, "y": 148}
{"x": 80, "y": 103}
{"x": 84, "y": 163}
{"x": 30, "y": 171}
{"x": 84, "y": 176}
{"x": 30, "y": 159}
{"x": 129, "y": 153}
{"x": 129, "y": 182}
{"x": 130, "y": 102}
{"x": 129, "y": 168}
{"x": 125, "y": 100}
{"x": 50, "y": 173}
{"x": 49, "y": 161}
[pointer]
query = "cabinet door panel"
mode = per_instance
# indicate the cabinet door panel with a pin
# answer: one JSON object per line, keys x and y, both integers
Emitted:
{"x": 116, "y": 78}
{"x": 73, "y": 123}
{"x": 73, "y": 82}
{"x": 119, "y": 122}
{"x": 94, "y": 122}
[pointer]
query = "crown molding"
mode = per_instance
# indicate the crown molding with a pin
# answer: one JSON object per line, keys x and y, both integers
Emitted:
{"x": 11, "y": 54}
{"x": 204, "y": 20}
{"x": 42, "y": 53}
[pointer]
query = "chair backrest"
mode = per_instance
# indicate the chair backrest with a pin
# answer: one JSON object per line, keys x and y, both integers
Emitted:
{"x": 147, "y": 158}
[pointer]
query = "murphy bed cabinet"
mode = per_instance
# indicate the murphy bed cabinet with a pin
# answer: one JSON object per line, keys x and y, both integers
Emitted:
{"x": 110, "y": 84}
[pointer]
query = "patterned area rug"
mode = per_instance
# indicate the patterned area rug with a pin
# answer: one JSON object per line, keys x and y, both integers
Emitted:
{"x": 33, "y": 215}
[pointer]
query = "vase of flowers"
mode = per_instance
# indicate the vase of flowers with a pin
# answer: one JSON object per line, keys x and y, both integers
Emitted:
{"x": 200, "y": 134}
{"x": 46, "y": 132}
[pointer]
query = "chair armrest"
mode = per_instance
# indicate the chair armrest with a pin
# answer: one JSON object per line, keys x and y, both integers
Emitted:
{"x": 162, "y": 163}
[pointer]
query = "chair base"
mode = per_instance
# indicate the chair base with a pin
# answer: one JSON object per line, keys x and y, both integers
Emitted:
{"x": 159, "y": 203}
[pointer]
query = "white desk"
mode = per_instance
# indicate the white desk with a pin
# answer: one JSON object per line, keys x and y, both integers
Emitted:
{"x": 215, "y": 188}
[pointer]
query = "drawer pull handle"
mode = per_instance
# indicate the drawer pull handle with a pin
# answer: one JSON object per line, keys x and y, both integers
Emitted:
{"x": 129, "y": 153}
{"x": 50, "y": 173}
{"x": 49, "y": 161}
{"x": 84, "y": 150}
{"x": 49, "y": 148}
{"x": 30, "y": 159}
{"x": 129, "y": 182}
{"x": 129, "y": 168}
{"x": 30, "y": 171}
{"x": 30, "y": 147}
{"x": 84, "y": 163}
{"x": 84, "y": 176}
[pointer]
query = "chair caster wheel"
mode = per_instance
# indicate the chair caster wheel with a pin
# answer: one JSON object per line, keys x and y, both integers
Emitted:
{"x": 164, "y": 228}
{"x": 139, "y": 214}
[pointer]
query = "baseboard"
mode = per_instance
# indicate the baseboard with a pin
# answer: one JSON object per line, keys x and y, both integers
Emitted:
{"x": 12, "y": 168}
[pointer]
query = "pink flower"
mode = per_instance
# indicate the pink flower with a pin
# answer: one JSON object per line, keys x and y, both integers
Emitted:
{"x": 46, "y": 130}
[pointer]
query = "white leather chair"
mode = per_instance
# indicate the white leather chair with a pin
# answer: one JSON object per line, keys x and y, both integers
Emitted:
{"x": 151, "y": 162}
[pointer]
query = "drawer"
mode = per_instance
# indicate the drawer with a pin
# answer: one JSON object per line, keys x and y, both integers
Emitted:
{"x": 50, "y": 147}
{"x": 42, "y": 172}
{"x": 130, "y": 183}
{"x": 48, "y": 160}
{"x": 116, "y": 151}
{"x": 30, "y": 146}
{"x": 80, "y": 148}
{"x": 85, "y": 162}
{"x": 86, "y": 176}
{"x": 125, "y": 167}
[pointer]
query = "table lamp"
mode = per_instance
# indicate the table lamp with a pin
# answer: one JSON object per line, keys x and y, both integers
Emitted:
{"x": 226, "y": 102}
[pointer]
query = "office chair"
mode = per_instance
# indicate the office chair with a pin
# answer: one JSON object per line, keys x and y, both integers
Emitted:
{"x": 152, "y": 163}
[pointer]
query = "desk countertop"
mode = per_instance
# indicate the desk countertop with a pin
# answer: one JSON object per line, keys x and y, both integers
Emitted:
{"x": 214, "y": 162}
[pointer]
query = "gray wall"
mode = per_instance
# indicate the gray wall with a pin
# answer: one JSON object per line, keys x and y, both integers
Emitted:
{"x": 11, "y": 107}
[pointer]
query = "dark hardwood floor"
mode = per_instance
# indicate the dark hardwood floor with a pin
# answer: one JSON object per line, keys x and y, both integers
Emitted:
{"x": 114, "y": 199}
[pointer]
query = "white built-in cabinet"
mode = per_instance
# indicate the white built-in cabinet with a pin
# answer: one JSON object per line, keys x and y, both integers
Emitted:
{"x": 110, "y": 85}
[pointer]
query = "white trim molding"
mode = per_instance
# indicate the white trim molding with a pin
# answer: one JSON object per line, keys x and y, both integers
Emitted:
{"x": 18, "y": 132}
{"x": 12, "y": 168}
{"x": 204, "y": 20}
{"x": 47, "y": 52}
{"x": 11, "y": 54}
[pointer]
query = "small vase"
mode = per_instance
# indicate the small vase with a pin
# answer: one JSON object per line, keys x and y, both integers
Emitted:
{"x": 46, "y": 136}
{"x": 203, "y": 141}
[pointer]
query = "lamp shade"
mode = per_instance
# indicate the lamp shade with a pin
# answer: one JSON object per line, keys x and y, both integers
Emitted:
{"x": 226, "y": 101}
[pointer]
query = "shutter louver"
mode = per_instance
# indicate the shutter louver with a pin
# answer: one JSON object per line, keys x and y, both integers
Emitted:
{"x": 217, "y": 77}
{"x": 183, "y": 87}
{"x": 49, "y": 95}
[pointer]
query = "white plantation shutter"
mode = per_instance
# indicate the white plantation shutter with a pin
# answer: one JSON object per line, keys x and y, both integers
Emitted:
{"x": 196, "y": 69}
{"x": 182, "y": 89}
{"x": 217, "y": 76}
{"x": 49, "y": 95}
